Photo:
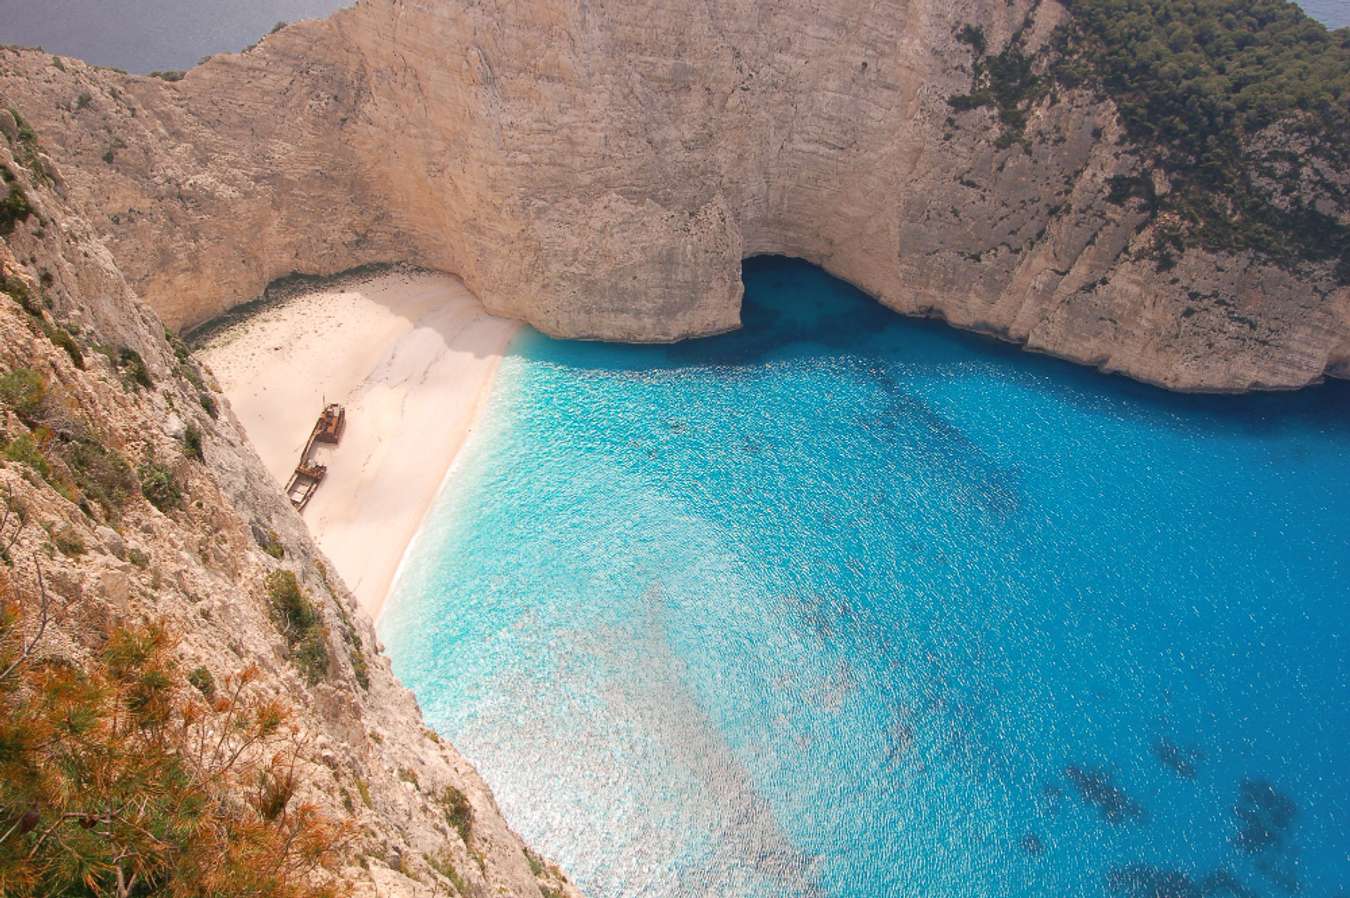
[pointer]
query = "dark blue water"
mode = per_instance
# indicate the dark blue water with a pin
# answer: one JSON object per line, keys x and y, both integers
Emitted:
{"x": 847, "y": 604}
{"x": 144, "y": 35}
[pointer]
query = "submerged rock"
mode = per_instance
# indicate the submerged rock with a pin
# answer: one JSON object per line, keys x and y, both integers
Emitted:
{"x": 1181, "y": 761}
{"x": 1265, "y": 817}
{"x": 1097, "y": 788}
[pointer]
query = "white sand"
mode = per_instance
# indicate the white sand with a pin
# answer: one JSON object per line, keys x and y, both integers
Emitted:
{"x": 411, "y": 356}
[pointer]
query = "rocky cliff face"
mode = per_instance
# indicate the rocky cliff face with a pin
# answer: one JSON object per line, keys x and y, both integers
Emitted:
{"x": 599, "y": 169}
{"x": 117, "y": 395}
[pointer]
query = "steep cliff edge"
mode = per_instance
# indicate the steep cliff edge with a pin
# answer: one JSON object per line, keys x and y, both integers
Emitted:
{"x": 600, "y": 169}
{"x": 124, "y": 475}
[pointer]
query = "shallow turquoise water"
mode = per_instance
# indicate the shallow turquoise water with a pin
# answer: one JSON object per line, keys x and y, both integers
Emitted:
{"x": 851, "y": 605}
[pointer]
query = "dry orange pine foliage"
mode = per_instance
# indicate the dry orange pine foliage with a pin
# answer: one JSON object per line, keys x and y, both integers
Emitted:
{"x": 121, "y": 776}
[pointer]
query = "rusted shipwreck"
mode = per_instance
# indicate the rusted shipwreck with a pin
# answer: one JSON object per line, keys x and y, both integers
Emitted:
{"x": 309, "y": 474}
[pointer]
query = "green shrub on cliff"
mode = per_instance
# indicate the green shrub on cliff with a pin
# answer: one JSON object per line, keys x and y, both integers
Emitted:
{"x": 1006, "y": 81}
{"x": 100, "y": 473}
{"x": 14, "y": 208}
{"x": 62, "y": 448}
{"x": 132, "y": 366}
{"x": 159, "y": 487}
{"x": 62, "y": 339}
{"x": 18, "y": 291}
{"x": 299, "y": 622}
{"x": 458, "y": 812}
{"x": 1196, "y": 82}
{"x": 25, "y": 450}
{"x": 24, "y": 392}
{"x": 192, "y": 443}
{"x": 1243, "y": 104}
{"x": 200, "y": 679}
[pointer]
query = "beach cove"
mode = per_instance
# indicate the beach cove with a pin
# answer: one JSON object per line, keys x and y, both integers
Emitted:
{"x": 411, "y": 356}
{"x": 1034, "y": 620}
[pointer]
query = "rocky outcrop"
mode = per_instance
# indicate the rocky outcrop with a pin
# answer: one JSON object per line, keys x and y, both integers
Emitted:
{"x": 115, "y": 385}
{"x": 600, "y": 169}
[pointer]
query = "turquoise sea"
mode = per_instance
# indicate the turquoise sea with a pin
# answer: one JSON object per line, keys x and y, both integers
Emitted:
{"x": 846, "y": 604}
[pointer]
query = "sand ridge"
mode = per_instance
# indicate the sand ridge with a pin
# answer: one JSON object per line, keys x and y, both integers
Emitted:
{"x": 411, "y": 356}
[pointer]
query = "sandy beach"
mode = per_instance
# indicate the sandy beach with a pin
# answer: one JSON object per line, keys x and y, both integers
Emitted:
{"x": 411, "y": 356}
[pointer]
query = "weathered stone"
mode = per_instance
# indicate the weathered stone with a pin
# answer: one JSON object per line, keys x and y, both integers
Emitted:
{"x": 112, "y": 541}
{"x": 203, "y": 577}
{"x": 601, "y": 172}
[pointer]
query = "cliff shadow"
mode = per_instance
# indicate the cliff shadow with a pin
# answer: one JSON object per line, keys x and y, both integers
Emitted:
{"x": 793, "y": 309}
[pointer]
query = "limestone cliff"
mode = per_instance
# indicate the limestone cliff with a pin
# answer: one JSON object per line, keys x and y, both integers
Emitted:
{"x": 117, "y": 396}
{"x": 599, "y": 169}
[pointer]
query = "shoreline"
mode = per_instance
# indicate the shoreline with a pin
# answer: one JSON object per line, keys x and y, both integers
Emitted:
{"x": 474, "y": 416}
{"x": 412, "y": 355}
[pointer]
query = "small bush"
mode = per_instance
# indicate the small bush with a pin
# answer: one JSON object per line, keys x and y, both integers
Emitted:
{"x": 355, "y": 650}
{"x": 25, "y": 392}
{"x": 159, "y": 487}
{"x": 292, "y": 607}
{"x": 209, "y": 405}
{"x": 192, "y": 443}
{"x": 443, "y": 864}
{"x": 458, "y": 812}
{"x": 84, "y": 101}
{"x": 269, "y": 542}
{"x": 202, "y": 681}
{"x": 192, "y": 375}
{"x": 360, "y": 667}
{"x": 300, "y": 623}
{"x": 973, "y": 36}
{"x": 14, "y": 208}
{"x": 171, "y": 75}
{"x": 138, "y": 558}
{"x": 62, "y": 338}
{"x": 180, "y": 349}
{"x": 18, "y": 291}
{"x": 311, "y": 655}
{"x": 100, "y": 473}
{"x": 25, "y": 450}
{"x": 133, "y": 369}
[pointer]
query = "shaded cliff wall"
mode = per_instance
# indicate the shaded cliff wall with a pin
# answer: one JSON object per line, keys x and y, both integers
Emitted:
{"x": 600, "y": 169}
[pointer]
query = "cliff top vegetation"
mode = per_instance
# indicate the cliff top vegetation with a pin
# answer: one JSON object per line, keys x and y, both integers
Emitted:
{"x": 1244, "y": 105}
{"x": 1247, "y": 106}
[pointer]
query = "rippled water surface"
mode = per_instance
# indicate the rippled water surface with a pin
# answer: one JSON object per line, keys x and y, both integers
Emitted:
{"x": 850, "y": 605}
